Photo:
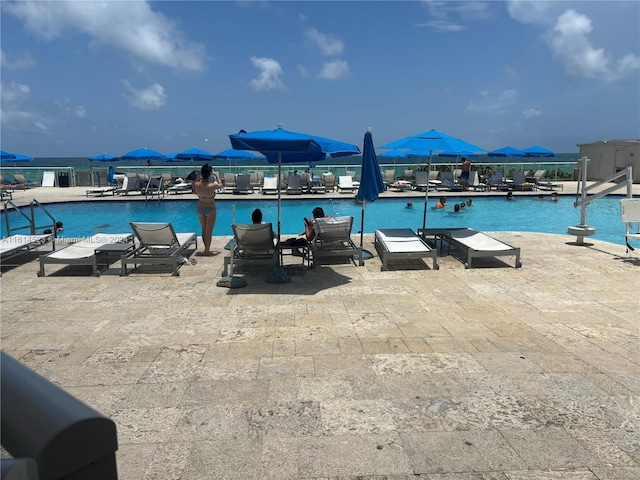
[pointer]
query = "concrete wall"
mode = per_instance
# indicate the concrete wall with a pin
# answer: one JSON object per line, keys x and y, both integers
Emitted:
{"x": 610, "y": 156}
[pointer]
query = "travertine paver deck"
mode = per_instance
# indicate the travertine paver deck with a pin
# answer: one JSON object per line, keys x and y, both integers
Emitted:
{"x": 350, "y": 372}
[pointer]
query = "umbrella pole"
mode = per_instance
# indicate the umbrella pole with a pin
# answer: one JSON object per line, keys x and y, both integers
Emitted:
{"x": 426, "y": 194}
{"x": 279, "y": 189}
{"x": 364, "y": 201}
{"x": 279, "y": 274}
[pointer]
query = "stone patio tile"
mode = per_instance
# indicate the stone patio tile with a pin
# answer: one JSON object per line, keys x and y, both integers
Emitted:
{"x": 549, "y": 448}
{"x": 465, "y": 451}
{"x": 352, "y": 455}
{"x": 228, "y": 458}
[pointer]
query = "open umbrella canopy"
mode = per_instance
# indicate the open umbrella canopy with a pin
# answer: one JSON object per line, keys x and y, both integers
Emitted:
{"x": 538, "y": 151}
{"x": 455, "y": 154}
{"x": 15, "y": 158}
{"x": 507, "y": 151}
{"x": 435, "y": 142}
{"x": 142, "y": 154}
{"x": 283, "y": 146}
{"x": 6, "y": 156}
{"x": 232, "y": 154}
{"x": 104, "y": 157}
{"x": 393, "y": 154}
{"x": 195, "y": 154}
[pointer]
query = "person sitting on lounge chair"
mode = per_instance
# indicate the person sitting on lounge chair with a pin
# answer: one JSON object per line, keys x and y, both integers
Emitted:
{"x": 256, "y": 216}
{"x": 309, "y": 230}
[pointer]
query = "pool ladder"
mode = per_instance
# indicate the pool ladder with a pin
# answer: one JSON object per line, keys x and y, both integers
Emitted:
{"x": 33, "y": 228}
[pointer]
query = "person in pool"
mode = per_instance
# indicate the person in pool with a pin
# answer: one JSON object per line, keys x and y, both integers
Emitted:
{"x": 441, "y": 203}
{"x": 205, "y": 188}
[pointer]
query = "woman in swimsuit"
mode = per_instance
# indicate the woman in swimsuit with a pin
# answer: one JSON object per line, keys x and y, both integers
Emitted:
{"x": 205, "y": 188}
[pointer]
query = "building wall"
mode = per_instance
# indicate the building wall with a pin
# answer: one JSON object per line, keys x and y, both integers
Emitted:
{"x": 610, "y": 156}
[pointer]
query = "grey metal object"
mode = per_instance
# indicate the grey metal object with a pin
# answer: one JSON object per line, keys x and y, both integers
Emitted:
{"x": 66, "y": 438}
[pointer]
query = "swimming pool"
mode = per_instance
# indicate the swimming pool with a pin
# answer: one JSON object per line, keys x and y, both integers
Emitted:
{"x": 487, "y": 213}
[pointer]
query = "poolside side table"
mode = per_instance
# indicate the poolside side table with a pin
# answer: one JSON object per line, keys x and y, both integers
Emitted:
{"x": 118, "y": 248}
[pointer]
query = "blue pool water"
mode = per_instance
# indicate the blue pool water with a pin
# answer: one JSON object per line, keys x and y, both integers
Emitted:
{"x": 487, "y": 213}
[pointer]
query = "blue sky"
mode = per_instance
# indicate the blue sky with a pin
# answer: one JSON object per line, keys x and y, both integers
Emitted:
{"x": 86, "y": 77}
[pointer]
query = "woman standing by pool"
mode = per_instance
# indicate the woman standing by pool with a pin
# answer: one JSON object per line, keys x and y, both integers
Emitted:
{"x": 205, "y": 187}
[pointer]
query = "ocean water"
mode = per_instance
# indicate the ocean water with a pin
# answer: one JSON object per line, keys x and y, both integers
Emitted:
{"x": 486, "y": 214}
{"x": 33, "y": 170}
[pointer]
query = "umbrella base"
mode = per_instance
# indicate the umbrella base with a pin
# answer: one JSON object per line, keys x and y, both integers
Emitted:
{"x": 232, "y": 282}
{"x": 366, "y": 255}
{"x": 278, "y": 275}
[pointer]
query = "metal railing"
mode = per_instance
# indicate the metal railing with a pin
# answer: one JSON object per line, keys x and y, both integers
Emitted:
{"x": 31, "y": 220}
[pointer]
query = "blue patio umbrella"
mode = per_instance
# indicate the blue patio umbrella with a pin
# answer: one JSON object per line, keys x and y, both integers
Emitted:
{"x": 232, "y": 154}
{"x": 143, "y": 154}
{"x": 538, "y": 151}
{"x": 195, "y": 154}
{"x": 434, "y": 141}
{"x": 457, "y": 153}
{"x": 371, "y": 183}
{"x": 282, "y": 146}
{"x": 104, "y": 157}
{"x": 6, "y": 156}
{"x": 15, "y": 158}
{"x": 507, "y": 151}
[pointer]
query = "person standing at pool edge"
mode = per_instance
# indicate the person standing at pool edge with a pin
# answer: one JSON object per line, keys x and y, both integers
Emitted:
{"x": 464, "y": 176}
{"x": 205, "y": 188}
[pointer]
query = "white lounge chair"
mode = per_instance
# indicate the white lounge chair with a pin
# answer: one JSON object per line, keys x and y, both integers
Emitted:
{"x": 87, "y": 251}
{"x": 333, "y": 239}
{"x": 256, "y": 244}
{"x": 402, "y": 243}
{"x": 101, "y": 191}
{"x": 159, "y": 244}
{"x": 478, "y": 245}
{"x": 270, "y": 185}
{"x": 17, "y": 244}
{"x": 130, "y": 183}
{"x": 630, "y": 214}
{"x": 345, "y": 184}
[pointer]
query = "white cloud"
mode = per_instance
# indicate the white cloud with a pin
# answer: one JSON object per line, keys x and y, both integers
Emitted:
{"x": 494, "y": 104}
{"x": 463, "y": 12}
{"x": 568, "y": 39}
{"x": 570, "y": 43}
{"x": 130, "y": 26}
{"x": 334, "y": 70}
{"x": 269, "y": 76}
{"x": 24, "y": 61}
{"x": 511, "y": 73}
{"x": 443, "y": 26}
{"x": 66, "y": 106}
{"x": 533, "y": 11}
{"x": 328, "y": 45}
{"x": 151, "y": 98}
{"x": 531, "y": 112}
{"x": 16, "y": 113}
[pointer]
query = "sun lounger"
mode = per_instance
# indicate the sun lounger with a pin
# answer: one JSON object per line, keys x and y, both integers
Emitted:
{"x": 423, "y": 179}
{"x": 159, "y": 244}
{"x": 180, "y": 187}
{"x": 130, "y": 183}
{"x": 243, "y": 184}
{"x": 520, "y": 181}
{"x": 478, "y": 245}
{"x": 87, "y": 251}
{"x": 630, "y": 214}
{"x": 345, "y": 184}
{"x": 101, "y": 191}
{"x": 270, "y": 185}
{"x": 256, "y": 244}
{"x": 402, "y": 244}
{"x": 295, "y": 185}
{"x": 333, "y": 239}
{"x": 17, "y": 244}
